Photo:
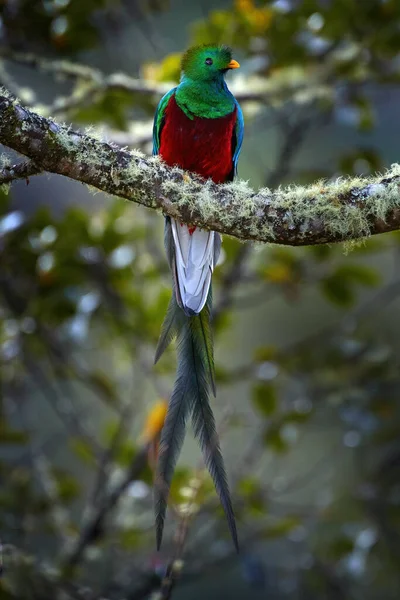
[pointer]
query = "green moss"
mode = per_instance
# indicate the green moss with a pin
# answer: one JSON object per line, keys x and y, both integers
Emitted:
{"x": 4, "y": 161}
{"x": 343, "y": 209}
{"x": 4, "y": 92}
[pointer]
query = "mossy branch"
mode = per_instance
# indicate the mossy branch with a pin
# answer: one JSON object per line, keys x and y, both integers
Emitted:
{"x": 345, "y": 209}
{"x": 23, "y": 170}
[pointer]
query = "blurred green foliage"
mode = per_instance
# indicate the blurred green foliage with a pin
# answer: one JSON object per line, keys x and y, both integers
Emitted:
{"x": 67, "y": 26}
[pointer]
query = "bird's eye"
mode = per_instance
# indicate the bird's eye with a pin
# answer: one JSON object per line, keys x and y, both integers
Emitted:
{"x": 208, "y": 61}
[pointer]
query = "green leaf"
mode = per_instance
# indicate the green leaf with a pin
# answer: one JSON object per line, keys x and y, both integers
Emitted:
{"x": 265, "y": 353}
{"x": 68, "y": 487}
{"x": 125, "y": 454}
{"x": 284, "y": 255}
{"x": 83, "y": 450}
{"x": 248, "y": 486}
{"x": 147, "y": 475}
{"x": 359, "y": 273}
{"x": 339, "y": 286}
{"x": 340, "y": 547}
{"x": 222, "y": 375}
{"x": 130, "y": 538}
{"x": 282, "y": 527}
{"x": 338, "y": 291}
{"x": 103, "y": 385}
{"x": 265, "y": 398}
{"x": 110, "y": 430}
{"x": 180, "y": 481}
{"x": 12, "y": 436}
{"x": 320, "y": 252}
{"x": 231, "y": 249}
{"x": 296, "y": 417}
{"x": 367, "y": 114}
{"x": 274, "y": 440}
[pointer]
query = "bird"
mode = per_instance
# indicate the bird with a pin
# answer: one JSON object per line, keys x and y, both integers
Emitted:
{"x": 198, "y": 126}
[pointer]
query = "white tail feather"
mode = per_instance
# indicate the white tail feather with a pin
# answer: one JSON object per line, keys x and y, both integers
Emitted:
{"x": 195, "y": 255}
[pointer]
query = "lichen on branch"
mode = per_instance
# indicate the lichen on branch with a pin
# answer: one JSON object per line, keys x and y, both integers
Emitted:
{"x": 342, "y": 210}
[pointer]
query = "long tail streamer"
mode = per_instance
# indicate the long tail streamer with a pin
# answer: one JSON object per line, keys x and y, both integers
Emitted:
{"x": 190, "y": 397}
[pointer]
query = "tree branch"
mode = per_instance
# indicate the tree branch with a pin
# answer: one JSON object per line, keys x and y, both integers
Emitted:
{"x": 293, "y": 138}
{"x": 22, "y": 170}
{"x": 93, "y": 528}
{"x": 324, "y": 212}
{"x": 308, "y": 84}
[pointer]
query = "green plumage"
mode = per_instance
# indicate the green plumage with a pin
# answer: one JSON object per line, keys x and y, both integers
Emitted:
{"x": 173, "y": 322}
{"x": 203, "y": 96}
{"x": 190, "y": 396}
{"x": 195, "y": 378}
{"x": 202, "y": 91}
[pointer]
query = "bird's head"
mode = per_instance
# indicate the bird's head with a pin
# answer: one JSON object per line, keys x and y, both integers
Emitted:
{"x": 207, "y": 63}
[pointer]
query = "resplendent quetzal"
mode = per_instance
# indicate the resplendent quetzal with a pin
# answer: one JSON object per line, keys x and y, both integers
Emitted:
{"x": 198, "y": 126}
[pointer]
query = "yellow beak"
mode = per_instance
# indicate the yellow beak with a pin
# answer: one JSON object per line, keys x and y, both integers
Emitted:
{"x": 233, "y": 64}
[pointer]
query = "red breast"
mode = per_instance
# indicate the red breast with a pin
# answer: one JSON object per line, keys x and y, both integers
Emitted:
{"x": 203, "y": 146}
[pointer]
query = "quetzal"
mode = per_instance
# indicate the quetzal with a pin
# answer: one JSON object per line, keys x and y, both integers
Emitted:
{"x": 198, "y": 126}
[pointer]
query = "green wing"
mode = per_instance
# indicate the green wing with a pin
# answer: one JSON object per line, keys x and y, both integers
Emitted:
{"x": 159, "y": 118}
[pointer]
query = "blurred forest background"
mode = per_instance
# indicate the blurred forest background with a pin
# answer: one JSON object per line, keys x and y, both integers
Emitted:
{"x": 307, "y": 339}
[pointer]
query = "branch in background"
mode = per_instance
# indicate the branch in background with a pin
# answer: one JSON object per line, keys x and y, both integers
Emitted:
{"x": 70, "y": 420}
{"x": 346, "y": 209}
{"x": 93, "y": 528}
{"x": 139, "y": 135}
{"x": 293, "y": 83}
{"x": 23, "y": 170}
{"x": 90, "y": 84}
{"x": 59, "y": 515}
{"x": 106, "y": 459}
